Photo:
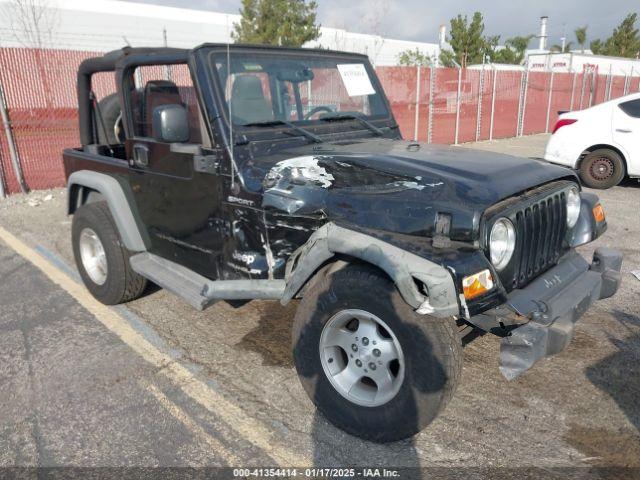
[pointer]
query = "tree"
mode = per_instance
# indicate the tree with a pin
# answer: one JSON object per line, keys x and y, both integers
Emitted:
{"x": 513, "y": 51}
{"x": 581, "y": 36}
{"x": 490, "y": 47}
{"x": 32, "y": 22}
{"x": 467, "y": 42}
{"x": 373, "y": 21}
{"x": 277, "y": 22}
{"x": 414, "y": 58}
{"x": 623, "y": 42}
{"x": 597, "y": 47}
{"x": 32, "y": 25}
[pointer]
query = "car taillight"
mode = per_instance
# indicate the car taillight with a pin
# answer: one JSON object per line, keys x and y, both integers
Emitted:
{"x": 563, "y": 122}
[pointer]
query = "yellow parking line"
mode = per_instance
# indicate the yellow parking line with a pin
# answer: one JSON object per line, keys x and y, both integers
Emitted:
{"x": 188, "y": 422}
{"x": 249, "y": 428}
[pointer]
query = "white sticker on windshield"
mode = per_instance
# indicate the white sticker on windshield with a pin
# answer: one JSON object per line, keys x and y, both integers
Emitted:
{"x": 356, "y": 79}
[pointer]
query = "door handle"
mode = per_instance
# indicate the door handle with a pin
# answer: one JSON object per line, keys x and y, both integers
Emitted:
{"x": 140, "y": 155}
{"x": 624, "y": 130}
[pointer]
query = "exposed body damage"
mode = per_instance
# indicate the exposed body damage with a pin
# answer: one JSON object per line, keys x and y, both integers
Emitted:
{"x": 407, "y": 270}
{"x": 282, "y": 183}
{"x": 389, "y": 246}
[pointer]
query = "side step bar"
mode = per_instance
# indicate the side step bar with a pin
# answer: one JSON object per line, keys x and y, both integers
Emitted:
{"x": 198, "y": 291}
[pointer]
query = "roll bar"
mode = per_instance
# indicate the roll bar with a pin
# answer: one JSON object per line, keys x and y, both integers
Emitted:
{"x": 107, "y": 63}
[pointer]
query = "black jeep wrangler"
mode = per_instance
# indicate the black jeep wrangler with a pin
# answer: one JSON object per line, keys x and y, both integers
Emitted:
{"x": 233, "y": 173}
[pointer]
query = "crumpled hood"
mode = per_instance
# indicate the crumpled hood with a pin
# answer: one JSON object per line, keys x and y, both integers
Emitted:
{"x": 399, "y": 186}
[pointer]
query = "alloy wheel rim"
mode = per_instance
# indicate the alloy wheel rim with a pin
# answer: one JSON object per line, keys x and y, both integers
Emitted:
{"x": 362, "y": 357}
{"x": 93, "y": 256}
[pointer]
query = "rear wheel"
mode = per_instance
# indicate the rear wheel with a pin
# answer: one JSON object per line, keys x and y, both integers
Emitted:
{"x": 101, "y": 258}
{"x": 371, "y": 365}
{"x": 602, "y": 168}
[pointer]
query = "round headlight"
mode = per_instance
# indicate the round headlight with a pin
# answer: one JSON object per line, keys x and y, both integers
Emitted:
{"x": 573, "y": 206}
{"x": 502, "y": 243}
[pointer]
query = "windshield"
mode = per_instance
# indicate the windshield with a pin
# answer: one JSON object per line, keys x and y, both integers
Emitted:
{"x": 267, "y": 88}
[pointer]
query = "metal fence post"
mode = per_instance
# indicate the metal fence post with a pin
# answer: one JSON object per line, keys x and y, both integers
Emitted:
{"x": 584, "y": 80}
{"x": 167, "y": 68}
{"x": 13, "y": 151}
{"x": 458, "y": 106}
{"x": 573, "y": 89}
{"x": 627, "y": 81}
{"x": 609, "y": 82}
{"x": 432, "y": 81}
{"x": 592, "y": 92}
{"x": 546, "y": 128}
{"x": 522, "y": 102}
{"x": 2, "y": 192}
{"x": 493, "y": 102}
{"x": 479, "y": 110}
{"x": 416, "y": 121}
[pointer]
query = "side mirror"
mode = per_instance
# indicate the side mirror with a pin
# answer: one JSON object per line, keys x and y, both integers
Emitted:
{"x": 170, "y": 124}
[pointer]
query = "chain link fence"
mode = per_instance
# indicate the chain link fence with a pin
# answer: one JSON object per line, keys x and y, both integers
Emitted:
{"x": 435, "y": 105}
{"x": 450, "y": 106}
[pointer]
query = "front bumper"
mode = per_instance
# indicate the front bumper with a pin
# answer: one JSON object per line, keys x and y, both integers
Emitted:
{"x": 552, "y": 304}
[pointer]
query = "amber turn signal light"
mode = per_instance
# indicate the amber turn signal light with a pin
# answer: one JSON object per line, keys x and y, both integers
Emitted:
{"x": 477, "y": 284}
{"x": 598, "y": 213}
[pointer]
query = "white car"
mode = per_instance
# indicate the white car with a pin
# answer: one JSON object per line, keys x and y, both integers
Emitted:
{"x": 601, "y": 142}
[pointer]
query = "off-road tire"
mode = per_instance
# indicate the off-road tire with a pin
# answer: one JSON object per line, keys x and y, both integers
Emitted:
{"x": 122, "y": 283}
{"x": 110, "y": 110}
{"x": 431, "y": 347}
{"x": 602, "y": 168}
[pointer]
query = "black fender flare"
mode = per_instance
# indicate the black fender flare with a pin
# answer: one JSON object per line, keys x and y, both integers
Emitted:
{"x": 406, "y": 269}
{"x": 586, "y": 229}
{"x": 133, "y": 237}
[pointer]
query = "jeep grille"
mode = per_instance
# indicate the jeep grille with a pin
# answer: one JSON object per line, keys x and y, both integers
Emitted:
{"x": 540, "y": 221}
{"x": 540, "y": 231}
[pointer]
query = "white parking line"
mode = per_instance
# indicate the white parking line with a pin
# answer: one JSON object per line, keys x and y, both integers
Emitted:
{"x": 249, "y": 428}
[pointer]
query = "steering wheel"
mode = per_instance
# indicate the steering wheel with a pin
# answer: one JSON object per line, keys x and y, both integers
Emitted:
{"x": 313, "y": 111}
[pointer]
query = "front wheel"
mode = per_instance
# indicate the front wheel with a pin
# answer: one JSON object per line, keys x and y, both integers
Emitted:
{"x": 602, "y": 169}
{"x": 371, "y": 365}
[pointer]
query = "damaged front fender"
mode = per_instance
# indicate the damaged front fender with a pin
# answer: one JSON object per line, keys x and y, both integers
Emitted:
{"x": 408, "y": 271}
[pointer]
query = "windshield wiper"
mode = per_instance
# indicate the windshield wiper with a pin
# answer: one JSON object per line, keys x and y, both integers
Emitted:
{"x": 331, "y": 117}
{"x": 271, "y": 123}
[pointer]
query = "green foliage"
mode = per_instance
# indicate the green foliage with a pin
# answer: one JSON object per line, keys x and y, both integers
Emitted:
{"x": 414, "y": 58}
{"x": 490, "y": 47}
{"x": 448, "y": 58}
{"x": 513, "y": 51}
{"x": 289, "y": 23}
{"x": 597, "y": 47}
{"x": 581, "y": 36}
{"x": 467, "y": 42}
{"x": 623, "y": 42}
{"x": 470, "y": 46}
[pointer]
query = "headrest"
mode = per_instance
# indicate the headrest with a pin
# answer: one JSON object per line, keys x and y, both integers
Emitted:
{"x": 247, "y": 87}
{"x": 162, "y": 86}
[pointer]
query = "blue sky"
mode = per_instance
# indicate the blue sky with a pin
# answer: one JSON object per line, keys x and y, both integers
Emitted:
{"x": 419, "y": 19}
